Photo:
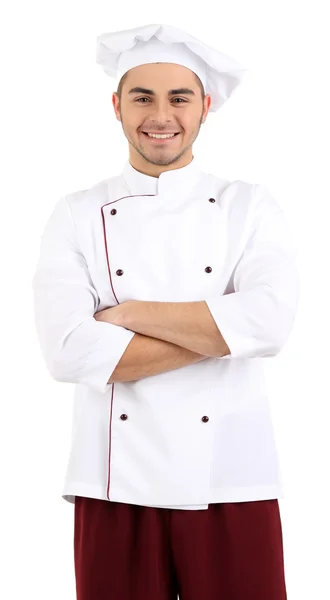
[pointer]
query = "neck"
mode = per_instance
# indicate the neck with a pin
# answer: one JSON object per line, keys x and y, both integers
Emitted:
{"x": 147, "y": 168}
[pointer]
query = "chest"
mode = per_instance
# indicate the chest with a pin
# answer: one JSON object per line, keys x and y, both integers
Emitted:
{"x": 146, "y": 248}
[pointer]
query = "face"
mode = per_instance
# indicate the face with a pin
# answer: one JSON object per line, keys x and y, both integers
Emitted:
{"x": 154, "y": 108}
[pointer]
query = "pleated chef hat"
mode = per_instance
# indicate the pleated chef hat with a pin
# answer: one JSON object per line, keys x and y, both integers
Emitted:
{"x": 119, "y": 51}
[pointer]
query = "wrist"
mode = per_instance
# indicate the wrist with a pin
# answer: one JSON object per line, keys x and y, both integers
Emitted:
{"x": 126, "y": 314}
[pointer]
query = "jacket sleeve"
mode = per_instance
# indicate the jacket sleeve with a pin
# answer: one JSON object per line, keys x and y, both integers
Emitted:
{"x": 257, "y": 318}
{"x": 75, "y": 347}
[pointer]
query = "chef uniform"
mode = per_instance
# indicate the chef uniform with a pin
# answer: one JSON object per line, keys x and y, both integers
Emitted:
{"x": 175, "y": 477}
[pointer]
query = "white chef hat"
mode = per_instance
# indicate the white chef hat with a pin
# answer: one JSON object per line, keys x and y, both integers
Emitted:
{"x": 119, "y": 51}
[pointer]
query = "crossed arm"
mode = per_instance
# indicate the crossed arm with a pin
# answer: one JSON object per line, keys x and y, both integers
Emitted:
{"x": 146, "y": 338}
{"x": 169, "y": 335}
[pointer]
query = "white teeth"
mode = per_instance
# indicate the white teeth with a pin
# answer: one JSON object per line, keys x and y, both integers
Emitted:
{"x": 156, "y": 135}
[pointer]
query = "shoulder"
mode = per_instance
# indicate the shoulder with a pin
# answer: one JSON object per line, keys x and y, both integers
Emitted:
{"x": 92, "y": 198}
{"x": 257, "y": 195}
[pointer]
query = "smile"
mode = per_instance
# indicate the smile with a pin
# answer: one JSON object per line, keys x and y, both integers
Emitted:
{"x": 160, "y": 138}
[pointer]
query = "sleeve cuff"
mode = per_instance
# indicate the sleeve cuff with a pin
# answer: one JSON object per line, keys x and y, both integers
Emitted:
{"x": 104, "y": 357}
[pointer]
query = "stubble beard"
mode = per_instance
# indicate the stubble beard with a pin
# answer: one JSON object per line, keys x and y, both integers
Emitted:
{"x": 160, "y": 159}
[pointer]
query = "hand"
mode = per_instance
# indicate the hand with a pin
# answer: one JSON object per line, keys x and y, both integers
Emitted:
{"x": 108, "y": 315}
{"x": 114, "y": 314}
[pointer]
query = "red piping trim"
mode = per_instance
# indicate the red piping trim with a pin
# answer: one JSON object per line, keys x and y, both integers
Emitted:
{"x": 113, "y": 291}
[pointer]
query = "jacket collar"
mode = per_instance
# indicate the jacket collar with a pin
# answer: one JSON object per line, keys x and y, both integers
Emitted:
{"x": 172, "y": 184}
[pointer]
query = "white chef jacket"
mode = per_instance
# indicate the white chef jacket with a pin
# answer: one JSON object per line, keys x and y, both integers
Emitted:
{"x": 185, "y": 236}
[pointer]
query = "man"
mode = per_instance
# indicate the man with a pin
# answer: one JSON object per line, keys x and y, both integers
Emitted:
{"x": 158, "y": 292}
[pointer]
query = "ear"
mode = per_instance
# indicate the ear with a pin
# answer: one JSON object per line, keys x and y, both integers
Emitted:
{"x": 115, "y": 103}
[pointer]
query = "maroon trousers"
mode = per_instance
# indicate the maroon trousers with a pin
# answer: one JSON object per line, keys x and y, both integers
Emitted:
{"x": 232, "y": 551}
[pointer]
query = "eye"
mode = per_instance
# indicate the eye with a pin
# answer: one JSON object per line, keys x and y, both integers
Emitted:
{"x": 145, "y": 98}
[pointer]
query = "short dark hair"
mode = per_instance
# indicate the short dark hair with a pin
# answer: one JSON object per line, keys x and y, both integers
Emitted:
{"x": 121, "y": 83}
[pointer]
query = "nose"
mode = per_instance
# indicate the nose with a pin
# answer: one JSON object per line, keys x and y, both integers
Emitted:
{"x": 161, "y": 111}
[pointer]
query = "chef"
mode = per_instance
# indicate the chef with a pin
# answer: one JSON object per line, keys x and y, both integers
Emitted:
{"x": 158, "y": 292}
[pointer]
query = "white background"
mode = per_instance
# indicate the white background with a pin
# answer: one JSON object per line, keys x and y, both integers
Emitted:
{"x": 59, "y": 135}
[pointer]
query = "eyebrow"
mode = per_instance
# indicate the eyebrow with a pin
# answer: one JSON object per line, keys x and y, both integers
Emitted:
{"x": 140, "y": 90}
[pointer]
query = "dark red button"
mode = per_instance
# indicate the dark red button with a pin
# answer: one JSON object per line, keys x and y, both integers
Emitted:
{"x": 208, "y": 269}
{"x": 211, "y": 199}
{"x": 123, "y": 417}
{"x": 113, "y": 211}
{"x": 119, "y": 272}
{"x": 205, "y": 419}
